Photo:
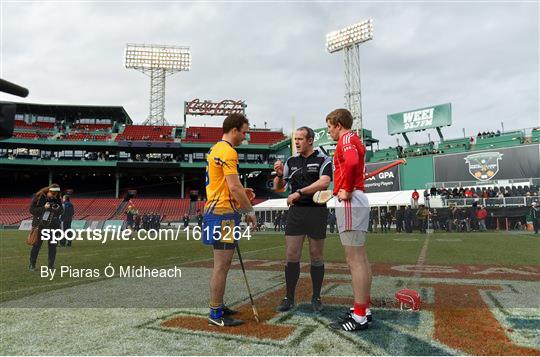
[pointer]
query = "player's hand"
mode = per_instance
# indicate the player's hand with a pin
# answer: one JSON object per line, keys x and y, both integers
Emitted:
{"x": 251, "y": 219}
{"x": 47, "y": 205}
{"x": 278, "y": 167}
{"x": 250, "y": 194}
{"x": 344, "y": 195}
{"x": 293, "y": 197}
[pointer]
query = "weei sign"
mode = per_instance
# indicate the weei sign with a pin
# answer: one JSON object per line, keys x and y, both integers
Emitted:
{"x": 494, "y": 164}
{"x": 420, "y": 119}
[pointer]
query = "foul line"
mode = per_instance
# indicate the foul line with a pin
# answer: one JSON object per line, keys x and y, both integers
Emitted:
{"x": 420, "y": 262}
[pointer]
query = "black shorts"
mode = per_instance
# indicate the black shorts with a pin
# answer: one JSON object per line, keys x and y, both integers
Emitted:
{"x": 307, "y": 220}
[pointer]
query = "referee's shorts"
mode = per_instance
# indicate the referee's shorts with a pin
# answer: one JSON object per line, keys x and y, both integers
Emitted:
{"x": 307, "y": 220}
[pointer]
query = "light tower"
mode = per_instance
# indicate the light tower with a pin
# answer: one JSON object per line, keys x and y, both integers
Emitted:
{"x": 349, "y": 39}
{"x": 157, "y": 62}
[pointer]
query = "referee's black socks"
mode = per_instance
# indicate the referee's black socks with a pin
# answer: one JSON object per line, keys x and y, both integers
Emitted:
{"x": 292, "y": 273}
{"x": 317, "y": 276}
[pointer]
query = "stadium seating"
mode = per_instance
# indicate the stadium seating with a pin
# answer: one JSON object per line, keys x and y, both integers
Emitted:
{"x": 418, "y": 149}
{"x": 14, "y": 210}
{"x": 91, "y": 127}
{"x": 87, "y": 137}
{"x": 96, "y": 208}
{"x": 385, "y": 154}
{"x": 37, "y": 125}
{"x": 265, "y": 137}
{"x": 454, "y": 145}
{"x": 147, "y": 205}
{"x": 513, "y": 138}
{"x": 174, "y": 209}
{"x": 146, "y": 133}
{"x": 203, "y": 134}
{"x": 30, "y": 135}
{"x": 200, "y": 205}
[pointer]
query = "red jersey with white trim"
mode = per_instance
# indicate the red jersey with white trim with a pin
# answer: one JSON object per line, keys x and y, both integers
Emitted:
{"x": 349, "y": 160}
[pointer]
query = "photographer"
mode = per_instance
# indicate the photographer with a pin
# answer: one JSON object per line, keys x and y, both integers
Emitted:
{"x": 46, "y": 208}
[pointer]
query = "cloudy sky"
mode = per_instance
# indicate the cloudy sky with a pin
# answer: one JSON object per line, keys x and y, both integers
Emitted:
{"x": 481, "y": 57}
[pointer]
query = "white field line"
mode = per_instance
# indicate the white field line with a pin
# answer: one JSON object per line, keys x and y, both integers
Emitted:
{"x": 421, "y": 258}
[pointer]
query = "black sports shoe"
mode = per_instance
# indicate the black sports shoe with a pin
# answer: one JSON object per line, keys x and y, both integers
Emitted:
{"x": 31, "y": 267}
{"x": 285, "y": 305}
{"x": 349, "y": 324}
{"x": 316, "y": 304}
{"x": 369, "y": 315}
{"x": 228, "y": 312}
{"x": 224, "y": 321}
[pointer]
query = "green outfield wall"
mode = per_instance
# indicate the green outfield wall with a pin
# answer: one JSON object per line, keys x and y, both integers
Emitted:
{"x": 417, "y": 173}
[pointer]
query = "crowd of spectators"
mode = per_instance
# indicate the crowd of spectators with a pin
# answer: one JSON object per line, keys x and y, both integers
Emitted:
{"x": 488, "y": 134}
{"x": 489, "y": 192}
{"x": 418, "y": 150}
{"x": 406, "y": 219}
{"x": 88, "y": 137}
{"x": 475, "y": 217}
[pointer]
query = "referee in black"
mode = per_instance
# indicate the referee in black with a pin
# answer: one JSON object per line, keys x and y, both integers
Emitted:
{"x": 305, "y": 173}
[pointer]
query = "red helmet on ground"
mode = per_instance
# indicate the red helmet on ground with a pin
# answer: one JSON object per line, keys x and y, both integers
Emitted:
{"x": 408, "y": 299}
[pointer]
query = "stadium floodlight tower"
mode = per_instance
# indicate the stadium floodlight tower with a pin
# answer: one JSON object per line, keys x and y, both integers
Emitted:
{"x": 157, "y": 62}
{"x": 349, "y": 39}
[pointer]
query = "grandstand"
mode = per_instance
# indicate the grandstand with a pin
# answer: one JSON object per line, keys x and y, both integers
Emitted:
{"x": 498, "y": 141}
{"x": 146, "y": 133}
{"x": 454, "y": 145}
{"x": 459, "y": 145}
{"x": 100, "y": 154}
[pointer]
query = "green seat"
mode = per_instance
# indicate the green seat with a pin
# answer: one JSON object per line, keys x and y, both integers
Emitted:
{"x": 455, "y": 145}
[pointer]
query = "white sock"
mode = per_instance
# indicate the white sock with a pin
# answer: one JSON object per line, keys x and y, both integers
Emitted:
{"x": 360, "y": 319}
{"x": 368, "y": 311}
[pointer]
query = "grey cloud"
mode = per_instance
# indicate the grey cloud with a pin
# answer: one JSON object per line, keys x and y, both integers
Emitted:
{"x": 481, "y": 57}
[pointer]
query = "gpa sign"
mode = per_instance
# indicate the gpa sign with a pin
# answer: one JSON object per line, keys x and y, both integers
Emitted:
{"x": 384, "y": 181}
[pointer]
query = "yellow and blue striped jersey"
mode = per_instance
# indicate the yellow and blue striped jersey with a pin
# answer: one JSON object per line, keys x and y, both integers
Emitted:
{"x": 222, "y": 160}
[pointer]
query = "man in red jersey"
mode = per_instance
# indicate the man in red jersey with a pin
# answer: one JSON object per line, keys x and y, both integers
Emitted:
{"x": 352, "y": 214}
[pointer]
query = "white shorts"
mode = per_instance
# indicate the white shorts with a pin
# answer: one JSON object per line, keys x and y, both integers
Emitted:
{"x": 353, "y": 215}
{"x": 353, "y": 238}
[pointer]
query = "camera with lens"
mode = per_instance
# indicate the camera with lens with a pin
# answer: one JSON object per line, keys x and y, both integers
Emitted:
{"x": 50, "y": 214}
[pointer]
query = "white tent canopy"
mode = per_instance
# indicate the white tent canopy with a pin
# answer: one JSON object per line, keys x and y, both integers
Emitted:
{"x": 377, "y": 199}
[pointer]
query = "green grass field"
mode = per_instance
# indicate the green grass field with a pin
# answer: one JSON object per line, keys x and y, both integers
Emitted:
{"x": 479, "y": 297}
{"x": 492, "y": 248}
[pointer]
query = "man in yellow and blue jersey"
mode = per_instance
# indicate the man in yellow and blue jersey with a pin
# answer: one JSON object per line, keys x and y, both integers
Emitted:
{"x": 226, "y": 202}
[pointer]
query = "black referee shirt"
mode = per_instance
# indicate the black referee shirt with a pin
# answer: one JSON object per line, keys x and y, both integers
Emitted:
{"x": 300, "y": 172}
